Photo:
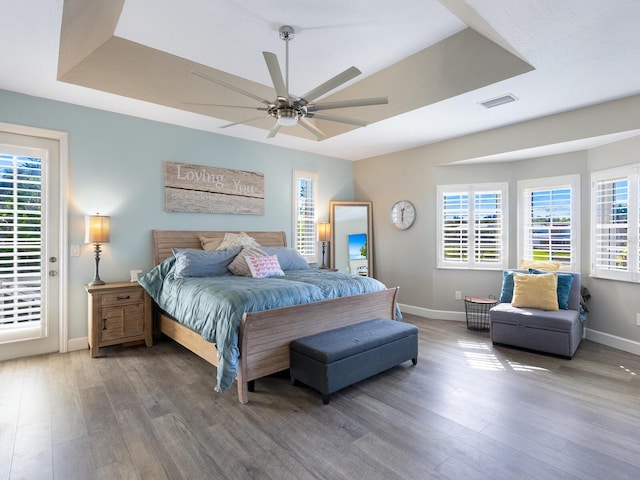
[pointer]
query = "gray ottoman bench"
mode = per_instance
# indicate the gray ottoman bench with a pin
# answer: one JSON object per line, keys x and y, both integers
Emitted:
{"x": 332, "y": 360}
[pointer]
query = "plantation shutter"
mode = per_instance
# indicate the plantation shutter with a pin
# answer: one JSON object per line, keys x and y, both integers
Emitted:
{"x": 615, "y": 224}
{"x": 547, "y": 230}
{"x": 305, "y": 214}
{"x": 455, "y": 228}
{"x": 21, "y": 245}
{"x": 481, "y": 244}
{"x": 488, "y": 228}
{"x": 548, "y": 225}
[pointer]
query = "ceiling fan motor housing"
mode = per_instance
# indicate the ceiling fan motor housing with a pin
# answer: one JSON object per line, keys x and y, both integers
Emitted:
{"x": 286, "y": 32}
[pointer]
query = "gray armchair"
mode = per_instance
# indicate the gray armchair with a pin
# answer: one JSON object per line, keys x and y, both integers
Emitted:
{"x": 556, "y": 332}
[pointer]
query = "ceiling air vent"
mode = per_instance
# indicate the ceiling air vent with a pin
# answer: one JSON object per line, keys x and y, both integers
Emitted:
{"x": 495, "y": 102}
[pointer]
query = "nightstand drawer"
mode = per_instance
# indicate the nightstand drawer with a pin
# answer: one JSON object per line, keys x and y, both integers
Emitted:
{"x": 122, "y": 297}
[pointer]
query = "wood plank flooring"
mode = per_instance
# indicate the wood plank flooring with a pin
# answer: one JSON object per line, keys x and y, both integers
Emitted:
{"x": 467, "y": 410}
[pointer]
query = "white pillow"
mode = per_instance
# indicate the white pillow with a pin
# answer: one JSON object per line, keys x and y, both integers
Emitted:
{"x": 264, "y": 266}
{"x": 233, "y": 240}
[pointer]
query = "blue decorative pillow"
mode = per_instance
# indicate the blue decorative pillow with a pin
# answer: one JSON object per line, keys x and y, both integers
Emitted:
{"x": 507, "y": 286}
{"x": 288, "y": 258}
{"x": 191, "y": 262}
{"x": 565, "y": 281}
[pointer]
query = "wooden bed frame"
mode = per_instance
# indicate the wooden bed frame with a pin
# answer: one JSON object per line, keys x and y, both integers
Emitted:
{"x": 264, "y": 337}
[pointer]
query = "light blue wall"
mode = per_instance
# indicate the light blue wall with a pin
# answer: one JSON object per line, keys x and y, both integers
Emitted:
{"x": 116, "y": 168}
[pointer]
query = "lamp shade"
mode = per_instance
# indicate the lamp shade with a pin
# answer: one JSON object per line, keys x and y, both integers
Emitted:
{"x": 324, "y": 232}
{"x": 96, "y": 229}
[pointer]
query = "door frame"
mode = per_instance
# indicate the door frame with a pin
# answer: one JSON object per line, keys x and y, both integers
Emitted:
{"x": 63, "y": 233}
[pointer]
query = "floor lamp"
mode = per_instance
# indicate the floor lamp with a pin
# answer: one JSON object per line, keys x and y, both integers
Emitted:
{"x": 324, "y": 236}
{"x": 96, "y": 231}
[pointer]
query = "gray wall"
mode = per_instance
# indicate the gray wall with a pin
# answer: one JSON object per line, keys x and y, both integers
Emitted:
{"x": 408, "y": 258}
{"x": 116, "y": 168}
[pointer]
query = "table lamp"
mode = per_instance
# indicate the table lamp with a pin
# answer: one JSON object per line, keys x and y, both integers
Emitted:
{"x": 324, "y": 236}
{"x": 96, "y": 231}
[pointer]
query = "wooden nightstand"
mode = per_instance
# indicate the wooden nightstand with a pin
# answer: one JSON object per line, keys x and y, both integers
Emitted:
{"x": 118, "y": 313}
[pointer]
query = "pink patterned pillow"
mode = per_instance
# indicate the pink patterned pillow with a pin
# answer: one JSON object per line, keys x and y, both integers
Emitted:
{"x": 262, "y": 267}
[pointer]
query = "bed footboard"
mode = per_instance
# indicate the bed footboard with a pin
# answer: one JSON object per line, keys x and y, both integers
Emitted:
{"x": 265, "y": 336}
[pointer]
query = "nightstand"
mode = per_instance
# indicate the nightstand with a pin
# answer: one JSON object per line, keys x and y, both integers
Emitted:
{"x": 119, "y": 313}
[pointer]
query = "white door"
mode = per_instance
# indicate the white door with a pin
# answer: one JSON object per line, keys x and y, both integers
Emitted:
{"x": 29, "y": 245}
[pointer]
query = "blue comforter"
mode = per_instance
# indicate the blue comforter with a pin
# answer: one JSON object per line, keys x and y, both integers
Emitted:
{"x": 213, "y": 306}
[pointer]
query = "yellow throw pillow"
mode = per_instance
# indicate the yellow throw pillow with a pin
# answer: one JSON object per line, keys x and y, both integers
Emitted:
{"x": 548, "y": 265}
{"x": 535, "y": 291}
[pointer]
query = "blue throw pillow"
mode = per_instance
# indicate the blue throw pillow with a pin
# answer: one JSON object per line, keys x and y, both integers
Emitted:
{"x": 191, "y": 262}
{"x": 288, "y": 258}
{"x": 507, "y": 286}
{"x": 565, "y": 281}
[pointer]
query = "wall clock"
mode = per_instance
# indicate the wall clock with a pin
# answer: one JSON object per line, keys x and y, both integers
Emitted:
{"x": 403, "y": 214}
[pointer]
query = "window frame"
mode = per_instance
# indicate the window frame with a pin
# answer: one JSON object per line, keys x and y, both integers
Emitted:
{"x": 473, "y": 190}
{"x": 632, "y": 174}
{"x": 550, "y": 183}
{"x": 310, "y": 251}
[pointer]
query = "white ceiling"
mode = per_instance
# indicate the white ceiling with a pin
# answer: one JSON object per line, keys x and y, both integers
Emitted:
{"x": 583, "y": 52}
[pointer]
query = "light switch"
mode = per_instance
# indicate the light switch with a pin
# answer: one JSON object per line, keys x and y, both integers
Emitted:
{"x": 75, "y": 250}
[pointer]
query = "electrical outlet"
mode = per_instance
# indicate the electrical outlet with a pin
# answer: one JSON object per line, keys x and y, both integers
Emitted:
{"x": 458, "y": 295}
{"x": 638, "y": 319}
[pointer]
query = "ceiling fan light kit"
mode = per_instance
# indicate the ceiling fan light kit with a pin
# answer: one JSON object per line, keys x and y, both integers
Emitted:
{"x": 289, "y": 110}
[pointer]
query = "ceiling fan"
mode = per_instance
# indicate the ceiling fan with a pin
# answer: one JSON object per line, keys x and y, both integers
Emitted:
{"x": 288, "y": 109}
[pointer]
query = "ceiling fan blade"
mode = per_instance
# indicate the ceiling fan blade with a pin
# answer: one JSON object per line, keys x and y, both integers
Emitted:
{"x": 273, "y": 132}
{"x": 336, "y": 118}
{"x": 311, "y": 127}
{"x": 363, "y": 102}
{"x": 276, "y": 74}
{"x": 348, "y": 74}
{"x": 264, "y": 109}
{"x": 229, "y": 86}
{"x": 244, "y": 121}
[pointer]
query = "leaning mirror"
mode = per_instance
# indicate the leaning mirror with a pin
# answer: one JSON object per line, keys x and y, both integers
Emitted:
{"x": 351, "y": 247}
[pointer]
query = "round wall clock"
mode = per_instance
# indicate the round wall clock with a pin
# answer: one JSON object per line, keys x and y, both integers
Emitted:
{"x": 403, "y": 214}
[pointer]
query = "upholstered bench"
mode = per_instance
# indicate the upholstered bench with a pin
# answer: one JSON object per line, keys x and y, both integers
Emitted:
{"x": 332, "y": 360}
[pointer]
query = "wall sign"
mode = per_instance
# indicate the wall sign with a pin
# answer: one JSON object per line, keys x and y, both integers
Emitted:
{"x": 200, "y": 189}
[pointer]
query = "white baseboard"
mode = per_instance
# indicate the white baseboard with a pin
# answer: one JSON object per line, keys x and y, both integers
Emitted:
{"x": 437, "y": 314}
{"x": 609, "y": 340}
{"x": 74, "y": 344}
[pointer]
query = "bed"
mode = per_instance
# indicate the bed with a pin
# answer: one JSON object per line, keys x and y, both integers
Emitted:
{"x": 263, "y": 336}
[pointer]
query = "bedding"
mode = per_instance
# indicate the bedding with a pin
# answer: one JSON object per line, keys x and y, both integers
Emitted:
{"x": 213, "y": 306}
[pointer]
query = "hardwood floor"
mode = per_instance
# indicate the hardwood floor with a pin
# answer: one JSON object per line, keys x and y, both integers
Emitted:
{"x": 467, "y": 410}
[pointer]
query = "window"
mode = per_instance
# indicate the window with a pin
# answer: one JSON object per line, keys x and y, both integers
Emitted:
{"x": 614, "y": 224}
{"x": 472, "y": 231}
{"x": 305, "y": 200}
{"x": 547, "y": 221}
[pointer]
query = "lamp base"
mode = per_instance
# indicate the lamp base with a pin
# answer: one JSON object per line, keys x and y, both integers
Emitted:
{"x": 96, "y": 277}
{"x": 324, "y": 265}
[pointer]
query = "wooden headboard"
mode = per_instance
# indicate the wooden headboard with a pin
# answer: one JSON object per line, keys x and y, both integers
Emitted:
{"x": 165, "y": 240}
